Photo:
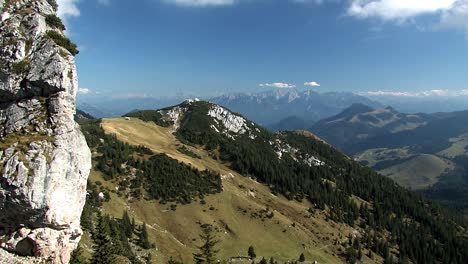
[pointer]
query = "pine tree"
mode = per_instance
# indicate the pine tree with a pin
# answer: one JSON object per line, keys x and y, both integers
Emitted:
{"x": 251, "y": 253}
{"x": 103, "y": 249}
{"x": 127, "y": 225}
{"x": 207, "y": 254}
{"x": 351, "y": 255}
{"x": 77, "y": 256}
{"x": 143, "y": 240}
{"x": 302, "y": 257}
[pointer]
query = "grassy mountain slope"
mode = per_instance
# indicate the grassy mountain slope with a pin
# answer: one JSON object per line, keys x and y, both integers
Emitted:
{"x": 239, "y": 211}
{"x": 283, "y": 193}
{"x": 419, "y": 172}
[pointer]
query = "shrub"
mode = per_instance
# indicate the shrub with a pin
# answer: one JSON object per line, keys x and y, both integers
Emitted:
{"x": 63, "y": 41}
{"x": 20, "y": 67}
{"x": 55, "y": 22}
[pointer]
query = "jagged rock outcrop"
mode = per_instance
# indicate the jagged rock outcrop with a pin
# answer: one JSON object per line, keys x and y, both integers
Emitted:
{"x": 44, "y": 158}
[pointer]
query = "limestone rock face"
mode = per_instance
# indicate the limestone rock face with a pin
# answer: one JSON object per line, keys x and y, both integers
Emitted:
{"x": 44, "y": 158}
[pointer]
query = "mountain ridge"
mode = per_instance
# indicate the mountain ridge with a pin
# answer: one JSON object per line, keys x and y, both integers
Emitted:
{"x": 281, "y": 103}
{"x": 269, "y": 158}
{"x": 404, "y": 146}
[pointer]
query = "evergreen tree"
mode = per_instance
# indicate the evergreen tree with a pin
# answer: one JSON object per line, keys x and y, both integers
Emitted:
{"x": 351, "y": 255}
{"x": 251, "y": 253}
{"x": 143, "y": 240}
{"x": 263, "y": 261}
{"x": 207, "y": 251}
{"x": 127, "y": 225}
{"x": 103, "y": 249}
{"x": 77, "y": 256}
{"x": 302, "y": 257}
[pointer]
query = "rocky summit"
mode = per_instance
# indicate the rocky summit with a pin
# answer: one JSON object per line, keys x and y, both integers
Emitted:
{"x": 44, "y": 158}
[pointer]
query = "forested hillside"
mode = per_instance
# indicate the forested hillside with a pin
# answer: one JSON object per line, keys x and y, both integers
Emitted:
{"x": 403, "y": 219}
{"x": 199, "y": 160}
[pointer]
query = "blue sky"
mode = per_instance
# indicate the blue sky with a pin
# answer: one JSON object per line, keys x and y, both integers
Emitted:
{"x": 207, "y": 47}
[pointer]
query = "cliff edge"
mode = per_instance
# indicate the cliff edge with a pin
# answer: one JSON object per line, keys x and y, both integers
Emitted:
{"x": 44, "y": 158}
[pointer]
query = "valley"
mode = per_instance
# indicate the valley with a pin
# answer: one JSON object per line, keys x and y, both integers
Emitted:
{"x": 423, "y": 152}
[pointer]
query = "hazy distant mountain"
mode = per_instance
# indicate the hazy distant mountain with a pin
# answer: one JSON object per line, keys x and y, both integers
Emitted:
{"x": 424, "y": 104}
{"x": 427, "y": 152}
{"x": 100, "y": 106}
{"x": 291, "y": 123}
{"x": 266, "y": 108}
{"x": 355, "y": 126}
{"x": 270, "y": 107}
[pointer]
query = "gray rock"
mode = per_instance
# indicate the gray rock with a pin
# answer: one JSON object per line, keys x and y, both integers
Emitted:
{"x": 44, "y": 158}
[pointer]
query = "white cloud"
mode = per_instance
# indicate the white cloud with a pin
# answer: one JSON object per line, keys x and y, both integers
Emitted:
{"x": 278, "y": 85}
{"x": 67, "y": 9}
{"x": 83, "y": 91}
{"x": 457, "y": 17}
{"x": 397, "y": 9}
{"x": 451, "y": 14}
{"x": 312, "y": 84}
{"x": 388, "y": 93}
{"x": 201, "y": 3}
{"x": 437, "y": 92}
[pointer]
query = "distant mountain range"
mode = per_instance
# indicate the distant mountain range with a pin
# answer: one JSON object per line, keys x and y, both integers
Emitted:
{"x": 268, "y": 107}
{"x": 104, "y": 107}
{"x": 265, "y": 108}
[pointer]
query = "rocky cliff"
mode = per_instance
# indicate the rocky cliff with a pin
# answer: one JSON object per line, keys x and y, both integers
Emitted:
{"x": 44, "y": 158}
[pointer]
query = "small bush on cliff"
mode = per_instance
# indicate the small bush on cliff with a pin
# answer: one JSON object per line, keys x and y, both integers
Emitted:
{"x": 55, "y": 22}
{"x": 63, "y": 41}
{"x": 20, "y": 66}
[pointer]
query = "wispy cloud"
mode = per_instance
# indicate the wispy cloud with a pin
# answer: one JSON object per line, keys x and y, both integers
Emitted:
{"x": 312, "y": 84}
{"x": 83, "y": 91}
{"x": 278, "y": 85}
{"x": 436, "y": 92}
{"x": 450, "y": 14}
{"x": 397, "y": 9}
{"x": 68, "y": 9}
{"x": 456, "y": 17}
